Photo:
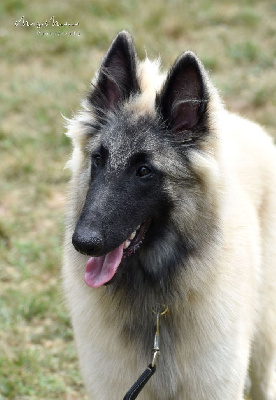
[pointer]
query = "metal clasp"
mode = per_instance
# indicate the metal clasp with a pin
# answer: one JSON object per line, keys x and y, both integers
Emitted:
{"x": 156, "y": 349}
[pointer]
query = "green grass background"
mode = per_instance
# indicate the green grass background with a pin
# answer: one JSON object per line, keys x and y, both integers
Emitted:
{"x": 43, "y": 77}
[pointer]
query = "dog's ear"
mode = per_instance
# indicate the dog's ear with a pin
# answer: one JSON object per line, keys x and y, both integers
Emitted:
{"x": 183, "y": 99}
{"x": 117, "y": 75}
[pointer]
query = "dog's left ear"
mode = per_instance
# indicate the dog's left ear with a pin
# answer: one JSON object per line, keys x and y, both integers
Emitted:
{"x": 183, "y": 100}
{"x": 117, "y": 78}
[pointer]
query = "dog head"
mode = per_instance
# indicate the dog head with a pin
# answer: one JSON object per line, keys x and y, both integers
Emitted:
{"x": 138, "y": 202}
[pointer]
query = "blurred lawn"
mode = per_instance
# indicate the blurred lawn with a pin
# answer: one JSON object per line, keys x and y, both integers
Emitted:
{"x": 43, "y": 77}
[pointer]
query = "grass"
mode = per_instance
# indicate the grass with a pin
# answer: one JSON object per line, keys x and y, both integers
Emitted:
{"x": 43, "y": 77}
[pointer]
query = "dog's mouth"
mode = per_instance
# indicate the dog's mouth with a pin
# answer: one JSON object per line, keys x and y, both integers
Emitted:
{"x": 135, "y": 239}
{"x": 100, "y": 270}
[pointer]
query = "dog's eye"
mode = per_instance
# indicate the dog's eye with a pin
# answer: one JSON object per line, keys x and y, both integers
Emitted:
{"x": 143, "y": 171}
{"x": 97, "y": 160}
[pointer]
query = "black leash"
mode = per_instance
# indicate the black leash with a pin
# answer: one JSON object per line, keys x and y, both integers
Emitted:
{"x": 140, "y": 383}
{"x": 148, "y": 373}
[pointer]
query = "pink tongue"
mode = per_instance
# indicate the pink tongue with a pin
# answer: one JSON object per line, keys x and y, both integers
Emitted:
{"x": 100, "y": 270}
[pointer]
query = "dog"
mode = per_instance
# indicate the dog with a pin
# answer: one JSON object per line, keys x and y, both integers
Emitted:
{"x": 172, "y": 202}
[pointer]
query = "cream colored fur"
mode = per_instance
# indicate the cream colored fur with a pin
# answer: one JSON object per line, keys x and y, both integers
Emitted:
{"x": 229, "y": 313}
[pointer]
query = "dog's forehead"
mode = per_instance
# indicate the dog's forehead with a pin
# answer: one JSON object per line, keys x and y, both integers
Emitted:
{"x": 126, "y": 135}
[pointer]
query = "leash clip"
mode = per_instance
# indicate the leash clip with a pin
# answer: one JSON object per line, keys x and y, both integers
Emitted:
{"x": 156, "y": 349}
{"x": 147, "y": 374}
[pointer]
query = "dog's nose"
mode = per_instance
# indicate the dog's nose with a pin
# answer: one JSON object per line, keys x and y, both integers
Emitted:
{"x": 90, "y": 244}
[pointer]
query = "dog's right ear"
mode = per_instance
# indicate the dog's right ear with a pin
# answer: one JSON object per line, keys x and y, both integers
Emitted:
{"x": 117, "y": 78}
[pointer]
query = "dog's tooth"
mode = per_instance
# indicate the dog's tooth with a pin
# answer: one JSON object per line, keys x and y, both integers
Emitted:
{"x": 138, "y": 227}
{"x": 132, "y": 236}
{"x": 126, "y": 245}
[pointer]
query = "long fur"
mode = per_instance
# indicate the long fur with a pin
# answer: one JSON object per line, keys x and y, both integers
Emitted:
{"x": 212, "y": 254}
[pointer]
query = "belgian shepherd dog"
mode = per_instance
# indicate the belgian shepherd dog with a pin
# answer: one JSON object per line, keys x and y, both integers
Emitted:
{"x": 172, "y": 201}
